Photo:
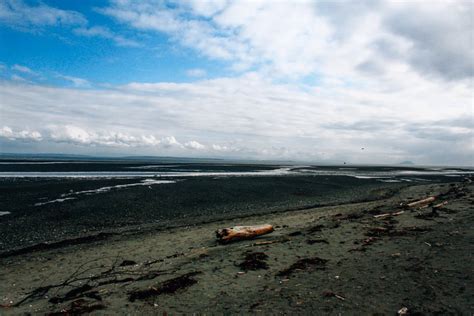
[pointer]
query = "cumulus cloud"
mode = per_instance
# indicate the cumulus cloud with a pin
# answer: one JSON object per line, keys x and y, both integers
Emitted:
{"x": 194, "y": 145}
{"x": 75, "y": 135}
{"x": 8, "y": 133}
{"x": 217, "y": 147}
{"x": 80, "y": 136}
{"x": 170, "y": 141}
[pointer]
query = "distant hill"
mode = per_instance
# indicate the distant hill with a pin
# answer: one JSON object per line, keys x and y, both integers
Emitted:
{"x": 42, "y": 156}
{"x": 407, "y": 163}
{"x": 134, "y": 159}
{"x": 68, "y": 157}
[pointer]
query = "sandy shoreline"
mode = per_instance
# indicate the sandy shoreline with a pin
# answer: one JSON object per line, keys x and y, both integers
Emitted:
{"x": 330, "y": 260}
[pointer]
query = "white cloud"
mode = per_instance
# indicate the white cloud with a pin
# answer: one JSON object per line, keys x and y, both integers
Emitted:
{"x": 16, "y": 13}
{"x": 196, "y": 72}
{"x": 77, "y": 82}
{"x": 170, "y": 141}
{"x": 34, "y": 18}
{"x": 251, "y": 117}
{"x": 18, "y": 78}
{"x": 154, "y": 16}
{"x": 324, "y": 39}
{"x": 80, "y": 136}
{"x": 309, "y": 80}
{"x": 23, "y": 69}
{"x": 7, "y": 132}
{"x": 219, "y": 147}
{"x": 194, "y": 145}
{"x": 206, "y": 8}
{"x": 104, "y": 32}
{"x": 75, "y": 135}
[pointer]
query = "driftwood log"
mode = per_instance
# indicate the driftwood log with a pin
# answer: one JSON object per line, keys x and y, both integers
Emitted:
{"x": 422, "y": 202}
{"x": 388, "y": 214}
{"x": 440, "y": 205}
{"x": 226, "y": 235}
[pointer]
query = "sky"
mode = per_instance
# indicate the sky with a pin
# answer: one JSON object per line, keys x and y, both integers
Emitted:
{"x": 363, "y": 82}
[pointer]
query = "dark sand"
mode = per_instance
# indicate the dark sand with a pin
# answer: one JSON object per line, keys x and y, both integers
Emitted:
{"x": 186, "y": 202}
{"x": 328, "y": 260}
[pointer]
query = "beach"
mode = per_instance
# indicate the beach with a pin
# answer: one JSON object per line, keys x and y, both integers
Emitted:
{"x": 343, "y": 258}
{"x": 199, "y": 157}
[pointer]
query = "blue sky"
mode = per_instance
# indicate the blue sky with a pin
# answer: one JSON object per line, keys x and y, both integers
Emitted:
{"x": 304, "y": 80}
{"x": 52, "y": 49}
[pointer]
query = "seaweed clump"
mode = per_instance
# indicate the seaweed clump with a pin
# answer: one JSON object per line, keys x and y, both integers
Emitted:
{"x": 314, "y": 263}
{"x": 79, "y": 307}
{"x": 254, "y": 261}
{"x": 167, "y": 287}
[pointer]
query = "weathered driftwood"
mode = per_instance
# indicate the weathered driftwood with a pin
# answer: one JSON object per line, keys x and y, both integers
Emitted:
{"x": 226, "y": 235}
{"x": 423, "y": 202}
{"x": 440, "y": 205}
{"x": 388, "y": 214}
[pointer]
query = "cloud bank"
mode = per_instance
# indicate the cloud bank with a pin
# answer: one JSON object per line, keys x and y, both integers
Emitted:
{"x": 248, "y": 117}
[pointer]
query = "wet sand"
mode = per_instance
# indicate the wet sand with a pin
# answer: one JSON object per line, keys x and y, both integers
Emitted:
{"x": 327, "y": 260}
{"x": 54, "y": 210}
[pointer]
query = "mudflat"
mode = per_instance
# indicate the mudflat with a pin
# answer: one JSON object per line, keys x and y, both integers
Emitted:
{"x": 376, "y": 257}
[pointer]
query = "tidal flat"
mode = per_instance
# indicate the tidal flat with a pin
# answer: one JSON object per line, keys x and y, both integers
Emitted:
{"x": 54, "y": 209}
{"x": 147, "y": 244}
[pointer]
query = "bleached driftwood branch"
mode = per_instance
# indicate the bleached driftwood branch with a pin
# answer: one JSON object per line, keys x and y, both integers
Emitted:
{"x": 226, "y": 235}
